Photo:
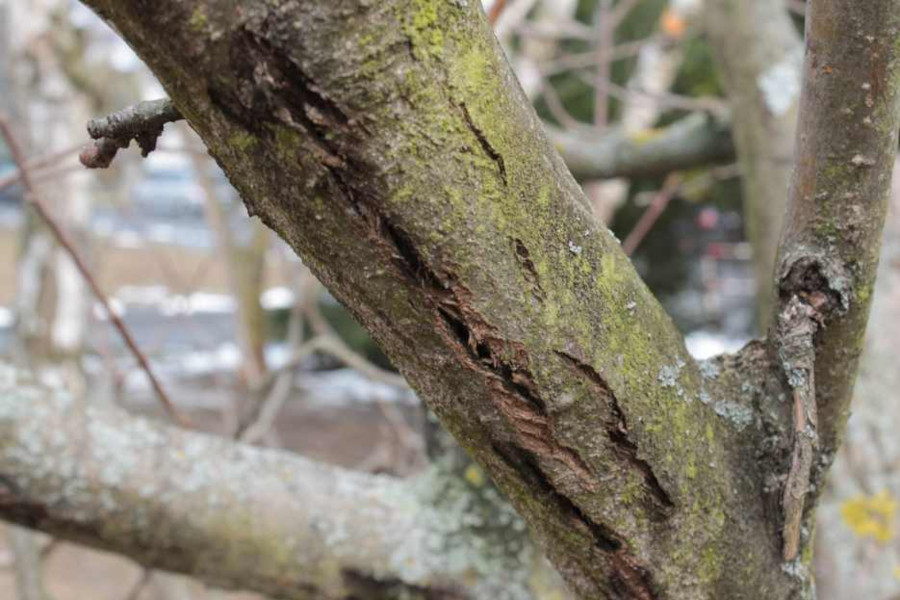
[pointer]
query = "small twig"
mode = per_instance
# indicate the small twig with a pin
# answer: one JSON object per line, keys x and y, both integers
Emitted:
{"x": 586, "y": 60}
{"x": 622, "y": 9}
{"x": 797, "y": 324}
{"x": 496, "y": 11}
{"x": 35, "y": 201}
{"x": 650, "y": 216}
{"x": 135, "y": 592}
{"x": 142, "y": 123}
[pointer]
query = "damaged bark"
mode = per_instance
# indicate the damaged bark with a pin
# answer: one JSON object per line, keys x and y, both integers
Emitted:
{"x": 391, "y": 146}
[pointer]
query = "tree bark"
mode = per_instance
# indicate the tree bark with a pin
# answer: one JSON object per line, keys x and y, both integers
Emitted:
{"x": 390, "y": 145}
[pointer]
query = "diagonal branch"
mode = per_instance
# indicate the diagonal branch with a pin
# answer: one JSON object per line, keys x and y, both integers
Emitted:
{"x": 34, "y": 200}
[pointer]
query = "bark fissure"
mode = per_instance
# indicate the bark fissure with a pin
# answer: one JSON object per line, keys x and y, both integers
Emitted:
{"x": 626, "y": 578}
{"x": 616, "y": 429}
{"x": 529, "y": 270}
{"x": 485, "y": 144}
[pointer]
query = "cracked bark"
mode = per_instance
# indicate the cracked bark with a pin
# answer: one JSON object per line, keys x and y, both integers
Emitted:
{"x": 390, "y": 145}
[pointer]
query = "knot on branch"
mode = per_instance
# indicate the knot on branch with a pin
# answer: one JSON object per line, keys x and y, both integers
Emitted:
{"x": 818, "y": 283}
{"x": 142, "y": 122}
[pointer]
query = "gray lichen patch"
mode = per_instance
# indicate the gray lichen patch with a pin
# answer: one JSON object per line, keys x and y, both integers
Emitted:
{"x": 709, "y": 368}
{"x": 141, "y": 486}
{"x": 738, "y": 415}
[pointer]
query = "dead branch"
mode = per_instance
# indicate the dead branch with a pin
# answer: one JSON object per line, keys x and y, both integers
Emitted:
{"x": 142, "y": 122}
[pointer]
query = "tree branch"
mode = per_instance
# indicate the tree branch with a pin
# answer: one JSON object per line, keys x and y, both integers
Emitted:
{"x": 846, "y": 143}
{"x": 698, "y": 139}
{"x": 758, "y": 53}
{"x": 390, "y": 145}
{"x": 236, "y": 516}
{"x": 142, "y": 122}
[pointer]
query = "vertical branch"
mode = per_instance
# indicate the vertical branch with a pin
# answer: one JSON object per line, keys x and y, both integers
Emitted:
{"x": 846, "y": 144}
{"x": 606, "y": 30}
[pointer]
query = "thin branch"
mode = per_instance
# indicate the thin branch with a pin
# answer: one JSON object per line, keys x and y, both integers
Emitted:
{"x": 135, "y": 592}
{"x": 35, "y": 201}
{"x": 586, "y": 60}
{"x": 622, "y": 9}
{"x": 649, "y": 217}
{"x": 496, "y": 11}
{"x": 38, "y": 164}
{"x": 604, "y": 44}
{"x": 142, "y": 122}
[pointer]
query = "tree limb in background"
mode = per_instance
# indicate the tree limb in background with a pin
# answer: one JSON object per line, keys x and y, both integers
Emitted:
{"x": 230, "y": 514}
{"x": 758, "y": 53}
{"x": 698, "y": 139}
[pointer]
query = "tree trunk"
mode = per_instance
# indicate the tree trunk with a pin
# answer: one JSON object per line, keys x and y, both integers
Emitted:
{"x": 390, "y": 145}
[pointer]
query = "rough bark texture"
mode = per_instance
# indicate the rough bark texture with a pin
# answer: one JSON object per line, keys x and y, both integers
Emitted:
{"x": 390, "y": 145}
{"x": 759, "y": 55}
{"x": 851, "y": 561}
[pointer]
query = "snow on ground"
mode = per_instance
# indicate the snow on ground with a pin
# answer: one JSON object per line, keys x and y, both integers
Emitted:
{"x": 6, "y": 318}
{"x": 703, "y": 344}
{"x": 277, "y": 298}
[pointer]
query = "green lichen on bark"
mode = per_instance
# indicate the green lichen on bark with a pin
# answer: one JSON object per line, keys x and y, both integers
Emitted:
{"x": 396, "y": 154}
